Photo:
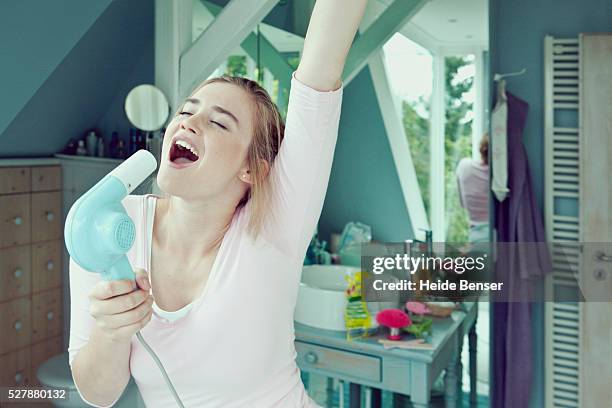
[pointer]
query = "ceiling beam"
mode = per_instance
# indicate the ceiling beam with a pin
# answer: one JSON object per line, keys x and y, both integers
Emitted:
{"x": 273, "y": 59}
{"x": 233, "y": 24}
{"x": 400, "y": 148}
{"x": 390, "y": 21}
{"x": 172, "y": 38}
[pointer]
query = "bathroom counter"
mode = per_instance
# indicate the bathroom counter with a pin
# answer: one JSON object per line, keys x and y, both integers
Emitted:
{"x": 366, "y": 362}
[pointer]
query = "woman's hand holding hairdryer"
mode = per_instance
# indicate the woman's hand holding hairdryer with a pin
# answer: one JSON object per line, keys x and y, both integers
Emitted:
{"x": 121, "y": 307}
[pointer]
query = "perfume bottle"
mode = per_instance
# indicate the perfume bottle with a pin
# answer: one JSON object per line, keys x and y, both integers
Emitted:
{"x": 81, "y": 150}
{"x": 113, "y": 145}
{"x": 121, "y": 150}
{"x": 100, "y": 149}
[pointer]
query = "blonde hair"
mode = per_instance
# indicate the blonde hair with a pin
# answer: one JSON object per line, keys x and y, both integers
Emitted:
{"x": 268, "y": 133}
{"x": 484, "y": 148}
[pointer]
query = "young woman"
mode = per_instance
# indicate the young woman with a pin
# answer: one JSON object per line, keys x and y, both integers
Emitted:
{"x": 219, "y": 256}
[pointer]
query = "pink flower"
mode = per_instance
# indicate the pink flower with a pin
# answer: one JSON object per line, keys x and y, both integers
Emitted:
{"x": 417, "y": 308}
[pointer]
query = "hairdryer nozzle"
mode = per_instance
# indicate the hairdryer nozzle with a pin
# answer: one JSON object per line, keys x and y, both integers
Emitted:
{"x": 135, "y": 169}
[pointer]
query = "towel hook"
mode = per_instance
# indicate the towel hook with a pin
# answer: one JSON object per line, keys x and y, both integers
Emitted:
{"x": 497, "y": 77}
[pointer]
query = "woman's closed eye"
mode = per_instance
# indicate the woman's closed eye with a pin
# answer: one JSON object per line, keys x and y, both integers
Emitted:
{"x": 185, "y": 113}
{"x": 218, "y": 124}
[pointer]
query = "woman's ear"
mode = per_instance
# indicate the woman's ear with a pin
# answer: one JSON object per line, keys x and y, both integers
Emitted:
{"x": 246, "y": 175}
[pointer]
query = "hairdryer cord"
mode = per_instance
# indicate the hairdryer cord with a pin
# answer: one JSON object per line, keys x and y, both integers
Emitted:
{"x": 161, "y": 368}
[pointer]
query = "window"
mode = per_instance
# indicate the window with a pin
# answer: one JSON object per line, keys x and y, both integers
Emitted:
{"x": 410, "y": 76}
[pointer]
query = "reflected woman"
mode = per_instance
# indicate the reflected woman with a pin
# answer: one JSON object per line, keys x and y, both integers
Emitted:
{"x": 473, "y": 185}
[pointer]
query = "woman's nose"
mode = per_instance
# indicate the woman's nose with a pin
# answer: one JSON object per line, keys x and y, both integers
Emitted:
{"x": 189, "y": 126}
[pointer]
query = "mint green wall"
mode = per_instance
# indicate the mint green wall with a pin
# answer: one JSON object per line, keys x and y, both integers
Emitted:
{"x": 35, "y": 36}
{"x": 364, "y": 185}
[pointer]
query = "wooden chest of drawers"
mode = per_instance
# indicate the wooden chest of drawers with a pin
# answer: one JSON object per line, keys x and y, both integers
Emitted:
{"x": 30, "y": 270}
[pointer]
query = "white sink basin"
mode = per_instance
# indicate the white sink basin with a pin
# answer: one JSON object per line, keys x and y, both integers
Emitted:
{"x": 321, "y": 299}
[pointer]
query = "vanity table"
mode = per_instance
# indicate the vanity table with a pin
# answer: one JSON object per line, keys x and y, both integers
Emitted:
{"x": 365, "y": 362}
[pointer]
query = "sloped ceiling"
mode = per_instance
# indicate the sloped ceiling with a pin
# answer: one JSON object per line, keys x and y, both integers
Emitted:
{"x": 116, "y": 51}
{"x": 32, "y": 44}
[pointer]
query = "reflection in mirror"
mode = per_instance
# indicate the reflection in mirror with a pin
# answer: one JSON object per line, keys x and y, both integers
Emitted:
{"x": 147, "y": 108}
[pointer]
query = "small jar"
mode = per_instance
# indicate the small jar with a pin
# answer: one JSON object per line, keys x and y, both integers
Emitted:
{"x": 81, "y": 150}
{"x": 100, "y": 149}
{"x": 91, "y": 143}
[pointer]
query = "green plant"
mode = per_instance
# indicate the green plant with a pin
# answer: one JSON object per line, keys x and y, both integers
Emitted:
{"x": 420, "y": 327}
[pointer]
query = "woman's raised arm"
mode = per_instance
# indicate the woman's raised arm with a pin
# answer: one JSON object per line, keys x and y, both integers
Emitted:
{"x": 331, "y": 30}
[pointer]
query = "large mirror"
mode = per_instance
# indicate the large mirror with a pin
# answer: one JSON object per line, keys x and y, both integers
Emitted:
{"x": 410, "y": 161}
{"x": 147, "y": 108}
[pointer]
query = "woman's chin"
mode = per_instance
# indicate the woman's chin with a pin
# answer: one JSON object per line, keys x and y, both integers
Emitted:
{"x": 169, "y": 183}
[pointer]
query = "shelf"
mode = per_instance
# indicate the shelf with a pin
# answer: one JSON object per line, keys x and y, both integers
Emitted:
{"x": 29, "y": 161}
{"x": 90, "y": 159}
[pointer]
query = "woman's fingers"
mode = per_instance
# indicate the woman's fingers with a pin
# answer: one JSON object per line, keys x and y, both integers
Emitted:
{"x": 126, "y": 332}
{"x": 118, "y": 304}
{"x": 129, "y": 318}
{"x": 108, "y": 289}
{"x": 142, "y": 279}
{"x": 122, "y": 307}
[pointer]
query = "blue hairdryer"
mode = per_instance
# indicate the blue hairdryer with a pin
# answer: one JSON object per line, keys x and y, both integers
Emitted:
{"x": 98, "y": 232}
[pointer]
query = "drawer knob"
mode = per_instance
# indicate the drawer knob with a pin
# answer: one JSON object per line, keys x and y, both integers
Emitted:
{"x": 50, "y": 315}
{"x": 49, "y": 265}
{"x": 311, "y": 357}
{"x": 18, "y": 273}
{"x": 50, "y": 216}
{"x": 18, "y": 325}
{"x": 18, "y": 220}
{"x": 18, "y": 377}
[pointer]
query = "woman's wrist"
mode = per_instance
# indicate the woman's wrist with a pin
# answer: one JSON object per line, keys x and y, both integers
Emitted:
{"x": 104, "y": 339}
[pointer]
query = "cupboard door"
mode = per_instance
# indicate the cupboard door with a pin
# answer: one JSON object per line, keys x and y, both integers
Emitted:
{"x": 14, "y": 220}
{"x": 43, "y": 351}
{"x": 46, "y": 216}
{"x": 15, "y": 369}
{"x": 46, "y": 265}
{"x": 46, "y": 315}
{"x": 15, "y": 272}
{"x": 15, "y": 324}
{"x": 14, "y": 180}
{"x": 47, "y": 178}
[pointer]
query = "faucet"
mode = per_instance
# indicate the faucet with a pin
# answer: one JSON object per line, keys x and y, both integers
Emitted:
{"x": 428, "y": 242}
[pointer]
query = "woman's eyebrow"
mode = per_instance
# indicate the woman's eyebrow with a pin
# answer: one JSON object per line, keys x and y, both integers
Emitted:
{"x": 217, "y": 108}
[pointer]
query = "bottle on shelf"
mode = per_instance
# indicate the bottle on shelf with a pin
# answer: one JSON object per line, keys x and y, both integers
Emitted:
{"x": 113, "y": 145}
{"x": 122, "y": 152}
{"x": 81, "y": 150}
{"x": 100, "y": 148}
{"x": 133, "y": 146}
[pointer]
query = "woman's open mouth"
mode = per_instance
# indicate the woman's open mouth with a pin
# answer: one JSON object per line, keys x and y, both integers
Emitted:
{"x": 182, "y": 154}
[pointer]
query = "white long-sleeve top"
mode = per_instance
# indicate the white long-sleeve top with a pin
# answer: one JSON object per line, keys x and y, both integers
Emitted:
{"x": 233, "y": 346}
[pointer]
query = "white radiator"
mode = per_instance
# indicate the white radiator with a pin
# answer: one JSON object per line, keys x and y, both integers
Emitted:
{"x": 562, "y": 148}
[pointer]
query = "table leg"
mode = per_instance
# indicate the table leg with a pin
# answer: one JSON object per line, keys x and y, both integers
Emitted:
{"x": 329, "y": 392}
{"x": 341, "y": 403}
{"x": 450, "y": 377}
{"x": 376, "y": 398}
{"x": 354, "y": 395}
{"x": 472, "y": 338}
{"x": 367, "y": 394}
{"x": 459, "y": 400}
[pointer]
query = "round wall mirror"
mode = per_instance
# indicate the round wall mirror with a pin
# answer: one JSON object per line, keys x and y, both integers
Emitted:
{"x": 147, "y": 108}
